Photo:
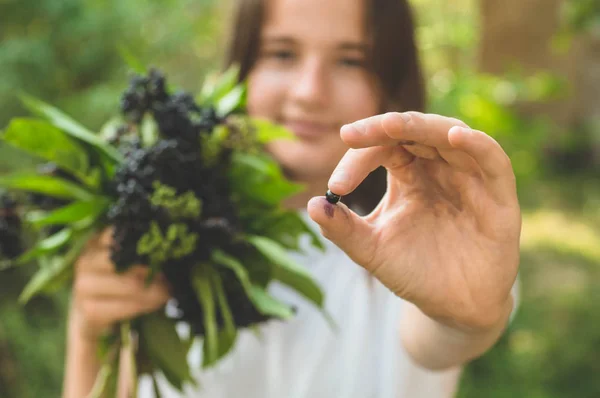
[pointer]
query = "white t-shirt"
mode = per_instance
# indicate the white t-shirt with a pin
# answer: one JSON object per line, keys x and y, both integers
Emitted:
{"x": 305, "y": 358}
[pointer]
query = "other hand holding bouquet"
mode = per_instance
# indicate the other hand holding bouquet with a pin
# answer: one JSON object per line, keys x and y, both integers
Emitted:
{"x": 188, "y": 190}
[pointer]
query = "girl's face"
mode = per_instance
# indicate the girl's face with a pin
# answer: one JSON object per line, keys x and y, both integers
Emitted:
{"x": 310, "y": 76}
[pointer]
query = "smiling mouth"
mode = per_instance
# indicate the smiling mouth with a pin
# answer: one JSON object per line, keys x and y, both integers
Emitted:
{"x": 308, "y": 130}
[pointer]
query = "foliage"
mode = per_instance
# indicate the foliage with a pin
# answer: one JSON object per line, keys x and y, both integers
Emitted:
{"x": 582, "y": 16}
{"x": 68, "y": 53}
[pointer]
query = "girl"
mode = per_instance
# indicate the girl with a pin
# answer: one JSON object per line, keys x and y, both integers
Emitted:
{"x": 422, "y": 256}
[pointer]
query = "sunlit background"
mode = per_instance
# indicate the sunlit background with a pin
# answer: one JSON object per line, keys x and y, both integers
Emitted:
{"x": 525, "y": 71}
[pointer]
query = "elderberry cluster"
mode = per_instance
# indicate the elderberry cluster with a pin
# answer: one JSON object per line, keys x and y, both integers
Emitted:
{"x": 175, "y": 161}
{"x": 178, "y": 116}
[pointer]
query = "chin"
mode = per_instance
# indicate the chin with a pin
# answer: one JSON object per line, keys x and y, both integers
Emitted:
{"x": 300, "y": 161}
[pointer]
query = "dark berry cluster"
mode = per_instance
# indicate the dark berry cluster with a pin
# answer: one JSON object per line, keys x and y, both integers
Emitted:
{"x": 10, "y": 229}
{"x": 143, "y": 94}
{"x": 175, "y": 160}
{"x": 178, "y": 116}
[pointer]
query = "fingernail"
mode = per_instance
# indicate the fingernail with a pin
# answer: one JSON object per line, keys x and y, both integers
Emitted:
{"x": 338, "y": 176}
{"x": 360, "y": 127}
{"x": 465, "y": 131}
{"x": 406, "y": 117}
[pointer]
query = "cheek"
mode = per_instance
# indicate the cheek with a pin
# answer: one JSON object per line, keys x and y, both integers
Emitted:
{"x": 357, "y": 99}
{"x": 265, "y": 94}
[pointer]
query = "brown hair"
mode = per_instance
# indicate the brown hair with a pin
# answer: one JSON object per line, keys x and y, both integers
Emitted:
{"x": 394, "y": 61}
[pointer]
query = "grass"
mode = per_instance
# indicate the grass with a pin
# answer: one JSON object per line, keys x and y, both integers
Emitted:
{"x": 552, "y": 348}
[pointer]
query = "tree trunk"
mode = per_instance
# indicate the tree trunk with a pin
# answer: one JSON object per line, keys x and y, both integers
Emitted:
{"x": 522, "y": 32}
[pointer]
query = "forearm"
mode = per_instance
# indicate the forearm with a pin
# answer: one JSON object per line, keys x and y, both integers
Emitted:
{"x": 81, "y": 364}
{"x": 436, "y": 346}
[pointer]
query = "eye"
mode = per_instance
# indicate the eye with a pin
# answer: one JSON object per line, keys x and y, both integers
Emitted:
{"x": 280, "y": 55}
{"x": 352, "y": 62}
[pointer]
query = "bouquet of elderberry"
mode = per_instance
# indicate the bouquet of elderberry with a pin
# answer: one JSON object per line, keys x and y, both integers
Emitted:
{"x": 187, "y": 188}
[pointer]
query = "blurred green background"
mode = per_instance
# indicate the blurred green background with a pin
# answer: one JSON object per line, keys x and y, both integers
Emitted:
{"x": 525, "y": 71}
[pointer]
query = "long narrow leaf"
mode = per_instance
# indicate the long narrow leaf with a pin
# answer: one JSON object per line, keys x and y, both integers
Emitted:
{"x": 46, "y": 246}
{"x": 227, "y": 336}
{"x": 258, "y": 178}
{"x": 73, "y": 212}
{"x": 100, "y": 384}
{"x": 47, "y": 275}
{"x": 268, "y": 305}
{"x": 48, "y": 185}
{"x": 45, "y": 141}
{"x": 128, "y": 349}
{"x": 165, "y": 348}
{"x": 287, "y": 271}
{"x": 262, "y": 301}
{"x": 157, "y": 393}
{"x": 204, "y": 291}
{"x": 70, "y": 126}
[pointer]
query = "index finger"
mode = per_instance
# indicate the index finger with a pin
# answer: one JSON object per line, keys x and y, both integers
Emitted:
{"x": 395, "y": 128}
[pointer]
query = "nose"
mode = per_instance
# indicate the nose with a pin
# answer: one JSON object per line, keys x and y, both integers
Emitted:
{"x": 311, "y": 87}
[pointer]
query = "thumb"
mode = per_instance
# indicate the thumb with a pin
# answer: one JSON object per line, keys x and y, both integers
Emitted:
{"x": 350, "y": 232}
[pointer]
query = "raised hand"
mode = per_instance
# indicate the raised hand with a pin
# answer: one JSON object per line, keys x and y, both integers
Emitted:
{"x": 446, "y": 234}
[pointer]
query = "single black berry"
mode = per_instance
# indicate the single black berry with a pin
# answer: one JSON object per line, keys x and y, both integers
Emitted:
{"x": 331, "y": 197}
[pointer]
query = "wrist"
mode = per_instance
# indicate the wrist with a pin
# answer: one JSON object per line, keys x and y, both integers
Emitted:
{"x": 483, "y": 323}
{"x": 81, "y": 331}
{"x": 438, "y": 344}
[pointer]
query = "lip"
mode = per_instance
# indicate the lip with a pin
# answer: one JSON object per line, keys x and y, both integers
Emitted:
{"x": 308, "y": 129}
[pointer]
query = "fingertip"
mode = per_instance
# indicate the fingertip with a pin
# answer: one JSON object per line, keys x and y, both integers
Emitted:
{"x": 321, "y": 211}
{"x": 339, "y": 187}
{"x": 314, "y": 208}
{"x": 351, "y": 136}
{"x": 457, "y": 135}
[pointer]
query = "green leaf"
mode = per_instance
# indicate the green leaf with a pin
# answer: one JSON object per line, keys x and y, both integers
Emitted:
{"x": 231, "y": 101}
{"x": 233, "y": 264}
{"x": 42, "y": 139}
{"x": 101, "y": 382}
{"x": 48, "y": 185}
{"x": 128, "y": 348}
{"x": 157, "y": 393}
{"x": 109, "y": 129}
{"x": 135, "y": 64}
{"x": 71, "y": 127}
{"x": 268, "y": 305}
{"x": 258, "y": 178}
{"x": 267, "y": 131}
{"x": 161, "y": 342}
{"x": 73, "y": 212}
{"x": 60, "y": 280}
{"x": 284, "y": 226}
{"x": 47, "y": 275}
{"x": 227, "y": 336}
{"x": 106, "y": 381}
{"x": 264, "y": 303}
{"x": 47, "y": 246}
{"x": 202, "y": 286}
{"x": 149, "y": 131}
{"x": 287, "y": 271}
{"x": 93, "y": 178}
{"x": 217, "y": 86}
